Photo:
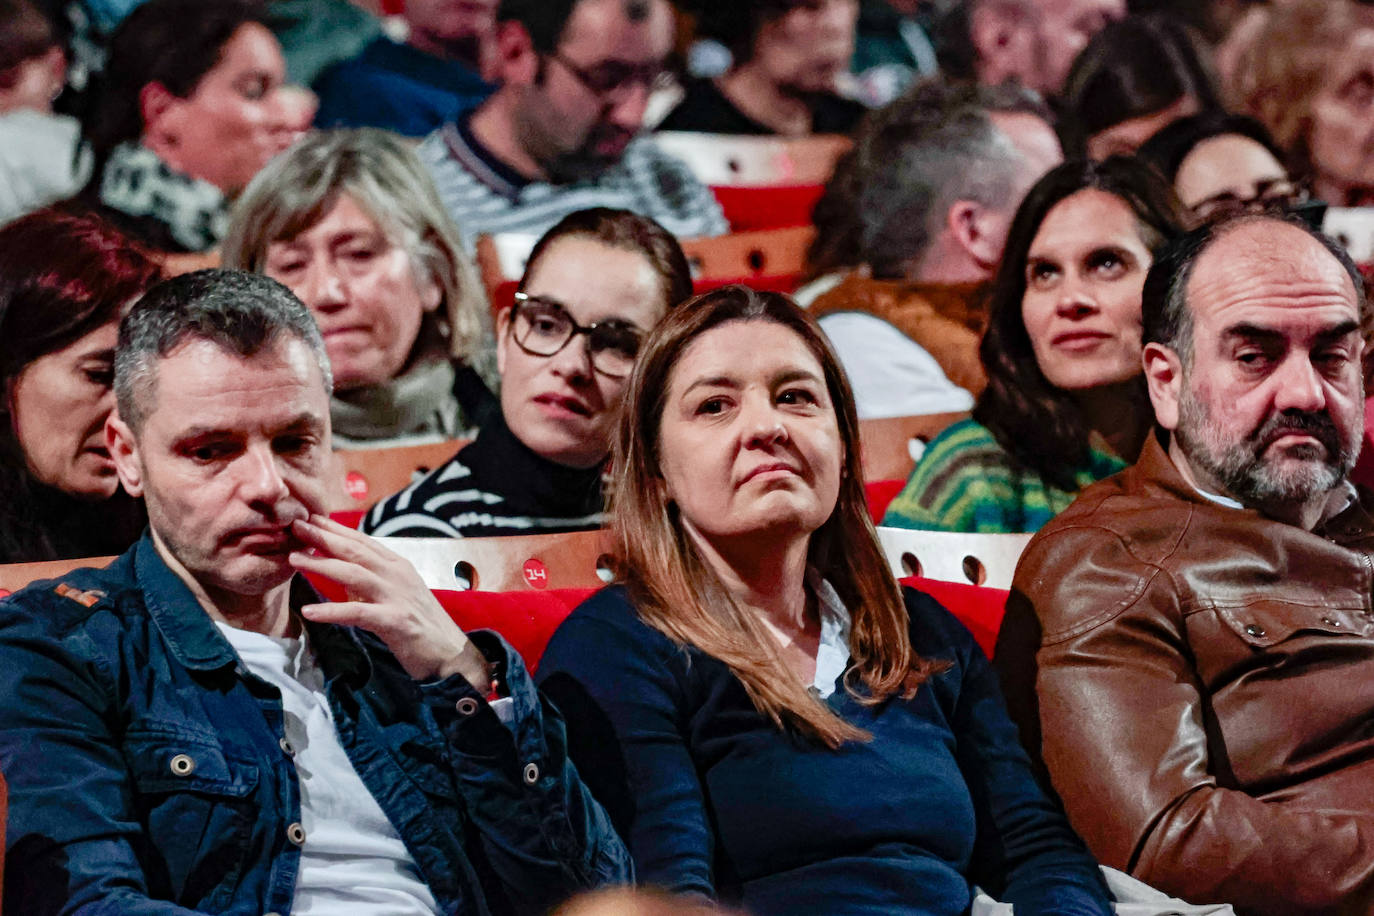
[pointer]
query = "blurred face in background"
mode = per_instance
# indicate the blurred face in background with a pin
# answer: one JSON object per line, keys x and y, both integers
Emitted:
{"x": 451, "y": 28}
{"x": 807, "y": 47}
{"x": 366, "y": 293}
{"x": 1066, "y": 27}
{"x": 238, "y": 116}
{"x": 58, "y": 404}
{"x": 1341, "y": 137}
{"x": 1229, "y": 172}
{"x": 587, "y": 101}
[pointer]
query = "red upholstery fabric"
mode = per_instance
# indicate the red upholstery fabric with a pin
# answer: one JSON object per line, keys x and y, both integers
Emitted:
{"x": 780, "y": 283}
{"x": 349, "y": 518}
{"x": 980, "y": 609}
{"x": 526, "y": 619}
{"x": 879, "y": 493}
{"x": 771, "y": 207}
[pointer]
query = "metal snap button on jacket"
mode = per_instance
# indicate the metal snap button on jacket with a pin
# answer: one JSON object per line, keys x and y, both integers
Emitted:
{"x": 296, "y": 834}
{"x": 531, "y": 774}
{"x": 467, "y": 706}
{"x": 183, "y": 765}
{"x": 1255, "y": 630}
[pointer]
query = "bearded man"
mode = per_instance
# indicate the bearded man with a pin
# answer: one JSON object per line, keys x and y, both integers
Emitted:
{"x": 1190, "y": 647}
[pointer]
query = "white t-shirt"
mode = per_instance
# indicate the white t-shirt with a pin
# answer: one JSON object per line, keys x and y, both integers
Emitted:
{"x": 352, "y": 860}
{"x": 892, "y": 375}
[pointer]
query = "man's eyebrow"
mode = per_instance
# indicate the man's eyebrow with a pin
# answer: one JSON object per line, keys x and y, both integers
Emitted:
{"x": 1252, "y": 332}
{"x": 1343, "y": 329}
{"x": 1257, "y": 333}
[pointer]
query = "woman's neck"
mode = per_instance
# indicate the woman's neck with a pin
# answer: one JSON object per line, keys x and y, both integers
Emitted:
{"x": 1118, "y": 415}
{"x": 764, "y": 101}
{"x": 761, "y": 575}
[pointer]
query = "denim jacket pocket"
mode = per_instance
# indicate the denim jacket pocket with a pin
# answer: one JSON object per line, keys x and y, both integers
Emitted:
{"x": 198, "y": 807}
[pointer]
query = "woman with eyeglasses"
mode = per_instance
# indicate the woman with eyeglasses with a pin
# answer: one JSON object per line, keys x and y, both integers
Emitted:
{"x": 350, "y": 221}
{"x": 1221, "y": 164}
{"x": 594, "y": 286}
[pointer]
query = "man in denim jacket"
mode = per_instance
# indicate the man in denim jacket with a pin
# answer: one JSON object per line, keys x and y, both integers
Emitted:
{"x": 192, "y": 730}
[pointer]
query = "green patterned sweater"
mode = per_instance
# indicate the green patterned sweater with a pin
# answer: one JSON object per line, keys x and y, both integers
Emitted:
{"x": 966, "y": 481}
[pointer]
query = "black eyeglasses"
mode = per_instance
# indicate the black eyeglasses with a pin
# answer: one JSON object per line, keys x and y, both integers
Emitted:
{"x": 1281, "y": 196}
{"x": 543, "y": 327}
{"x": 612, "y": 80}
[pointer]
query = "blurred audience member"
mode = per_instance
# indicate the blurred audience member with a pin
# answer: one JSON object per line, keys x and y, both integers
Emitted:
{"x": 1032, "y": 42}
{"x": 787, "y": 56}
{"x": 561, "y": 133}
{"x": 316, "y": 34}
{"x": 1308, "y": 75}
{"x": 1065, "y": 404}
{"x": 1189, "y": 645}
{"x": 349, "y": 221}
{"x": 767, "y": 718}
{"x": 38, "y": 148}
{"x": 917, "y": 214}
{"x": 1135, "y": 77}
{"x": 192, "y": 104}
{"x": 892, "y": 47}
{"x": 64, "y": 280}
{"x": 594, "y": 286}
{"x": 1221, "y": 163}
{"x": 413, "y": 87}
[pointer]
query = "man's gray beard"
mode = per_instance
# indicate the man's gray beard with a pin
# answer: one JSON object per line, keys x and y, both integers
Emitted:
{"x": 1243, "y": 470}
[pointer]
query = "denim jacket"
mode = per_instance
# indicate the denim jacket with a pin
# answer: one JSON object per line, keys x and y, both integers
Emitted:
{"x": 148, "y": 769}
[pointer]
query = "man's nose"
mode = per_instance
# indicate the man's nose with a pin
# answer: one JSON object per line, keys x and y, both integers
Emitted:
{"x": 1298, "y": 385}
{"x": 262, "y": 480}
{"x": 627, "y": 110}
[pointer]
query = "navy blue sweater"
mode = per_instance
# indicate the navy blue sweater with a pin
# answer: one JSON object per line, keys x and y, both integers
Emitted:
{"x": 713, "y": 799}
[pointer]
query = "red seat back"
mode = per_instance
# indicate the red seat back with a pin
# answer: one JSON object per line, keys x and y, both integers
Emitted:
{"x": 526, "y": 619}
{"x": 879, "y": 493}
{"x": 977, "y": 607}
{"x": 770, "y": 207}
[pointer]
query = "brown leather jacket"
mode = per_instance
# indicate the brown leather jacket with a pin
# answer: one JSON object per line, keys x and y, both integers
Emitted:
{"x": 1205, "y": 690}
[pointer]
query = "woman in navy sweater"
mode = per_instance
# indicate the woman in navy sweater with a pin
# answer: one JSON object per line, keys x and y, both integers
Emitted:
{"x": 769, "y": 720}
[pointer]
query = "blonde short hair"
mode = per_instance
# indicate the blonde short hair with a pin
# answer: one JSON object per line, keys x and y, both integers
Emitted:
{"x": 382, "y": 174}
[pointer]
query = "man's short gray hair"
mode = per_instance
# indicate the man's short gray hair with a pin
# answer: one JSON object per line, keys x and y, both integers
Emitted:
{"x": 241, "y": 312}
{"x": 935, "y": 145}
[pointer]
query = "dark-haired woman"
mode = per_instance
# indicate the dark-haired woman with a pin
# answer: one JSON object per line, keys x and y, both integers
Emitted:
{"x": 64, "y": 280}
{"x": 594, "y": 285}
{"x": 768, "y": 719}
{"x": 1222, "y": 163}
{"x": 191, "y": 105}
{"x": 1065, "y": 404}
{"x": 1135, "y": 77}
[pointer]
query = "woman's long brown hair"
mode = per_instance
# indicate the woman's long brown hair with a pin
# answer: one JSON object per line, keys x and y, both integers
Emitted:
{"x": 675, "y": 590}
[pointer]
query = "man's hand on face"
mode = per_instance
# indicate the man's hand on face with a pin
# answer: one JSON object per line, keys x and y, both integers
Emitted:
{"x": 388, "y": 598}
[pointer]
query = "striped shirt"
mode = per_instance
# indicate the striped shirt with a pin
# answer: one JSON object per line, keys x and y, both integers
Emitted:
{"x": 494, "y": 486}
{"x": 966, "y": 481}
{"x": 485, "y": 197}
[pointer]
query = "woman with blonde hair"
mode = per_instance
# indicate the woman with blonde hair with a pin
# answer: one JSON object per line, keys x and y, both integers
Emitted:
{"x": 759, "y": 662}
{"x": 1307, "y": 74}
{"x": 350, "y": 221}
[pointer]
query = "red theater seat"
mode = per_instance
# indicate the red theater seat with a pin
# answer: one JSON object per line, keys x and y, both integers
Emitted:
{"x": 879, "y": 494}
{"x": 526, "y": 619}
{"x": 976, "y": 606}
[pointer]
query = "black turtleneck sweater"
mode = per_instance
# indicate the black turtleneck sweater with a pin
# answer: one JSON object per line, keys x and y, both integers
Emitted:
{"x": 494, "y": 486}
